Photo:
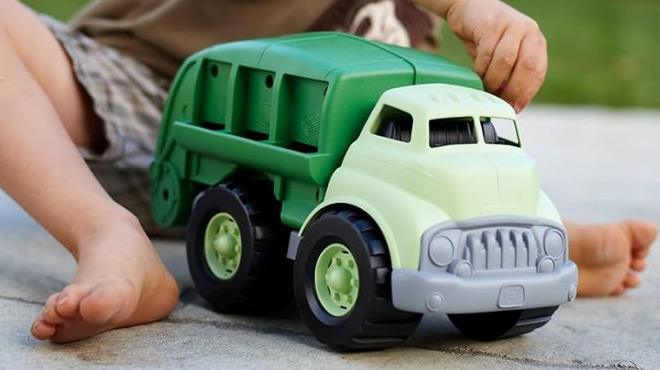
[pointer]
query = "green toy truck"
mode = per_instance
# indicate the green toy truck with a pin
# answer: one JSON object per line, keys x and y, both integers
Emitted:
{"x": 374, "y": 183}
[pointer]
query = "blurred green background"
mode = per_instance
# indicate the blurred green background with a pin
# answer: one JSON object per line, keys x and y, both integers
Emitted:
{"x": 602, "y": 52}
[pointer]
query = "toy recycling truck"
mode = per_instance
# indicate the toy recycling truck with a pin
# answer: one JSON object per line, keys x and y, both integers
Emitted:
{"x": 374, "y": 183}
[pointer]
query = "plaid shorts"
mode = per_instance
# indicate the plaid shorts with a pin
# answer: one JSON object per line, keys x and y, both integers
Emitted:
{"x": 129, "y": 98}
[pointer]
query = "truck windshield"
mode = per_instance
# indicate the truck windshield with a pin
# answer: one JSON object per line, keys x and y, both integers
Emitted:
{"x": 500, "y": 131}
{"x": 451, "y": 131}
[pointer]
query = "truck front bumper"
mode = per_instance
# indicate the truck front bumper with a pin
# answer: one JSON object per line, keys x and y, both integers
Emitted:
{"x": 442, "y": 292}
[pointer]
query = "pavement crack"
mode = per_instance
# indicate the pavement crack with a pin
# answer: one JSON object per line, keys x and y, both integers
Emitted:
{"x": 461, "y": 351}
{"x": 22, "y": 300}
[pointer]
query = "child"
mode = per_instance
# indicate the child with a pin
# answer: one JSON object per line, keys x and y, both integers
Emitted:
{"x": 67, "y": 99}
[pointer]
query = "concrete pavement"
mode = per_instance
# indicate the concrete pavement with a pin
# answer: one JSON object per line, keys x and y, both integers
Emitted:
{"x": 596, "y": 164}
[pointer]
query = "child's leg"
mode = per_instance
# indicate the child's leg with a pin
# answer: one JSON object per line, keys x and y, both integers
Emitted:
{"x": 610, "y": 256}
{"x": 120, "y": 280}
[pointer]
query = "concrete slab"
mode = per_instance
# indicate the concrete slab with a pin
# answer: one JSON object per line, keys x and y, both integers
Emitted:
{"x": 596, "y": 164}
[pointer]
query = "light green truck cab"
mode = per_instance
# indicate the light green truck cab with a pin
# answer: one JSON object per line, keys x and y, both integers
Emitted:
{"x": 393, "y": 184}
{"x": 435, "y": 184}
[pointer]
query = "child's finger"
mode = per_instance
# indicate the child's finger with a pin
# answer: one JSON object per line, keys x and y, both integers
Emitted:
{"x": 484, "y": 53}
{"x": 503, "y": 61}
{"x": 528, "y": 73}
{"x": 471, "y": 49}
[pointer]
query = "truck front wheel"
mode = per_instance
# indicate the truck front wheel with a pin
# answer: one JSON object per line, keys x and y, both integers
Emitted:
{"x": 236, "y": 248}
{"x": 497, "y": 325}
{"x": 343, "y": 287}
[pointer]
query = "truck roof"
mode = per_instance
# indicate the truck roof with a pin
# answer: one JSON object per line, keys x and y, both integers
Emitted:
{"x": 444, "y": 100}
{"x": 320, "y": 54}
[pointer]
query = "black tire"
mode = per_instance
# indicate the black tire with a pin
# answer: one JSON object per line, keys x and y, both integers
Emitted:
{"x": 498, "y": 325}
{"x": 262, "y": 280}
{"x": 373, "y": 322}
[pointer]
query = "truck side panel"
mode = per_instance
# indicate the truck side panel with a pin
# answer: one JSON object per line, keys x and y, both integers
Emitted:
{"x": 301, "y": 103}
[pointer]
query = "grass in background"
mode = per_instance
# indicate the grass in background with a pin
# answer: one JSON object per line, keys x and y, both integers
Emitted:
{"x": 60, "y": 9}
{"x": 603, "y": 52}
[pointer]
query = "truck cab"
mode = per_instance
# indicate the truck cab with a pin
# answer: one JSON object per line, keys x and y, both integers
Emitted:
{"x": 441, "y": 169}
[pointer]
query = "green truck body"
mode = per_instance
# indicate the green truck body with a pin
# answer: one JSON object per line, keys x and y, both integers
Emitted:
{"x": 382, "y": 181}
{"x": 287, "y": 108}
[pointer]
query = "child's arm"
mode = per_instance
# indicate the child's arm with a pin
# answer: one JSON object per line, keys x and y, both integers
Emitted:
{"x": 508, "y": 48}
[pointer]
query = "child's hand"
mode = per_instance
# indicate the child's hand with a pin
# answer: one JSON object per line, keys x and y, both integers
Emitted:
{"x": 508, "y": 48}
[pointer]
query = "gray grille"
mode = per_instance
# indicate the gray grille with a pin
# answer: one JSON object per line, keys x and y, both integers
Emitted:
{"x": 500, "y": 248}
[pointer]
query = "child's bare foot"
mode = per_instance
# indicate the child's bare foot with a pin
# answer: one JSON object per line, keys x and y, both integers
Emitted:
{"x": 609, "y": 257}
{"x": 120, "y": 282}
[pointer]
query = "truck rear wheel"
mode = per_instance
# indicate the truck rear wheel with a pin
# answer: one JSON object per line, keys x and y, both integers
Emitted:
{"x": 343, "y": 287}
{"x": 236, "y": 247}
{"x": 497, "y": 325}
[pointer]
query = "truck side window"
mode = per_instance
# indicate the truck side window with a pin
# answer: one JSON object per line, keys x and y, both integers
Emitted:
{"x": 394, "y": 124}
{"x": 451, "y": 131}
{"x": 499, "y": 131}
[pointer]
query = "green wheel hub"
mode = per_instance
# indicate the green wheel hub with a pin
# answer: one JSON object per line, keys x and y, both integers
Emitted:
{"x": 222, "y": 246}
{"x": 336, "y": 279}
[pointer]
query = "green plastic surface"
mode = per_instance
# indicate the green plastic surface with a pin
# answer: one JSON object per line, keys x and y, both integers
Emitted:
{"x": 336, "y": 279}
{"x": 285, "y": 109}
{"x": 223, "y": 246}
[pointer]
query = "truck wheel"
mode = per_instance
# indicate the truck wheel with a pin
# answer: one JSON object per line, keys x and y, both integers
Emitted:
{"x": 236, "y": 247}
{"x": 342, "y": 284}
{"x": 497, "y": 325}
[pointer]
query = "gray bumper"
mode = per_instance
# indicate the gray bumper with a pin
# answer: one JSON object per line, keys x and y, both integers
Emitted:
{"x": 442, "y": 292}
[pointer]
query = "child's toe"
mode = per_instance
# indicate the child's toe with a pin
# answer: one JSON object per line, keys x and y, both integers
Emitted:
{"x": 632, "y": 280}
{"x": 618, "y": 290}
{"x": 52, "y": 300}
{"x": 638, "y": 264}
{"x": 49, "y": 314}
{"x": 42, "y": 330}
{"x": 642, "y": 233}
{"x": 69, "y": 300}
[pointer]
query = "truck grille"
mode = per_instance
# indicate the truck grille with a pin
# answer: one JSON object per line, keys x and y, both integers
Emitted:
{"x": 500, "y": 249}
{"x": 500, "y": 244}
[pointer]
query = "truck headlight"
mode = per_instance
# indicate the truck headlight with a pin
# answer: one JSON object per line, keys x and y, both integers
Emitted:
{"x": 441, "y": 251}
{"x": 554, "y": 244}
{"x": 545, "y": 265}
